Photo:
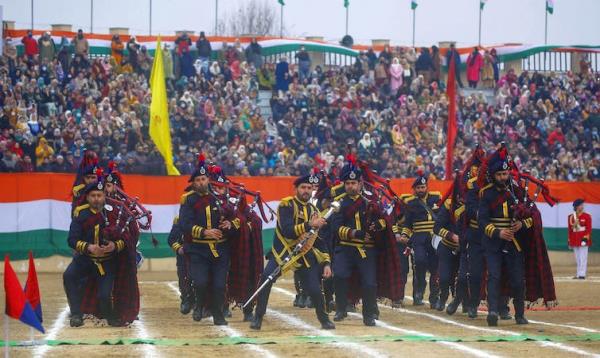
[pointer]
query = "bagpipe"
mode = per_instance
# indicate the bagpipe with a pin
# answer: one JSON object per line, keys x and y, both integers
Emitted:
{"x": 142, "y": 215}
{"x": 117, "y": 218}
{"x": 301, "y": 248}
{"x": 237, "y": 193}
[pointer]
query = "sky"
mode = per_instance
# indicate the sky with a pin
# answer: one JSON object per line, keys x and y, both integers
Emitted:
{"x": 574, "y": 22}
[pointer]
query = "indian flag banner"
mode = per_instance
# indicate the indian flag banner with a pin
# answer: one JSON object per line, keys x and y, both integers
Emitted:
{"x": 482, "y": 4}
{"x": 550, "y": 6}
{"x": 35, "y": 209}
{"x": 413, "y": 4}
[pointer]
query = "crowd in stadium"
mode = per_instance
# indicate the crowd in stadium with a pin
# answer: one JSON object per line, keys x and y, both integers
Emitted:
{"x": 390, "y": 107}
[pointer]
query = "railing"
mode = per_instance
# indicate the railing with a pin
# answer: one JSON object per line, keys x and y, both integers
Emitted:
{"x": 557, "y": 61}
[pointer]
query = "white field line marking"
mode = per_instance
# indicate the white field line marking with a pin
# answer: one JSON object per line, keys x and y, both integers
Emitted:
{"x": 579, "y": 328}
{"x": 473, "y": 351}
{"x": 298, "y": 323}
{"x": 231, "y": 332}
{"x": 484, "y": 329}
{"x": 58, "y": 324}
{"x": 570, "y": 280}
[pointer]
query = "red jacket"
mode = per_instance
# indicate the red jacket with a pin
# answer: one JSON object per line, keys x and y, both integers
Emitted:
{"x": 581, "y": 231}
{"x": 31, "y": 46}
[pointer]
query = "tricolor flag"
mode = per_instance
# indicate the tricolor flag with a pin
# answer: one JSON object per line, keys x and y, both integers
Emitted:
{"x": 413, "y": 4}
{"x": 550, "y": 6}
{"x": 17, "y": 306}
{"x": 482, "y": 4}
{"x": 32, "y": 289}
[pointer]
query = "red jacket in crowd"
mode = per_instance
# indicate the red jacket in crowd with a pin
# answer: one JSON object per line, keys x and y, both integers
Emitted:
{"x": 580, "y": 230}
{"x": 31, "y": 46}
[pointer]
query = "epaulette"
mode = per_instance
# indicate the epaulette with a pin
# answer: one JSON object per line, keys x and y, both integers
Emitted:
{"x": 286, "y": 201}
{"x": 471, "y": 183}
{"x": 79, "y": 209}
{"x": 176, "y": 219}
{"x": 185, "y": 196}
{"x": 448, "y": 203}
{"x": 340, "y": 197}
{"x": 409, "y": 198}
{"x": 485, "y": 188}
{"x": 77, "y": 189}
{"x": 434, "y": 193}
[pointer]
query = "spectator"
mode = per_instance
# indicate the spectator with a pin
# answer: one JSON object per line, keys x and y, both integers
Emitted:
{"x": 453, "y": 53}
{"x": 30, "y": 44}
{"x": 424, "y": 65}
{"x": 474, "y": 66}
{"x": 396, "y": 74}
{"x": 254, "y": 54}
{"x": 168, "y": 62}
{"x": 303, "y": 64}
{"x": 436, "y": 62}
{"x": 81, "y": 45}
{"x": 134, "y": 48}
{"x": 47, "y": 48}
{"x": 204, "y": 51}
{"x": 487, "y": 72}
{"x": 282, "y": 75}
{"x": 116, "y": 49}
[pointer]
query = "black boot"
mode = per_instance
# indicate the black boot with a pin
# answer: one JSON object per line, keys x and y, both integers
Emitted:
{"x": 322, "y": 316}
{"x": 453, "y": 306}
{"x": 308, "y": 302}
{"x": 341, "y": 299}
{"x": 302, "y": 301}
{"x": 521, "y": 320}
{"x": 107, "y": 313}
{"x": 198, "y": 308}
{"x": 297, "y": 301}
{"x": 248, "y": 314}
{"x": 256, "y": 323}
{"x": 369, "y": 309}
{"x": 418, "y": 299}
{"x": 472, "y": 312}
{"x": 76, "y": 320}
{"x": 217, "y": 307}
{"x": 492, "y": 319}
{"x": 505, "y": 315}
{"x": 185, "y": 307}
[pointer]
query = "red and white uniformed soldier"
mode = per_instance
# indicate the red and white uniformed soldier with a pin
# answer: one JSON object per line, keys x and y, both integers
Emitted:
{"x": 580, "y": 236}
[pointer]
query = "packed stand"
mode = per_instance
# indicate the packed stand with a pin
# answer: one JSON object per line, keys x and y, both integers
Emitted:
{"x": 390, "y": 108}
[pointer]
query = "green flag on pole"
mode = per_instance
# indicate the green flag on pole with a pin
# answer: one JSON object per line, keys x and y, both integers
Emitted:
{"x": 346, "y": 3}
{"x": 482, "y": 4}
{"x": 413, "y": 4}
{"x": 550, "y": 6}
{"x": 281, "y": 2}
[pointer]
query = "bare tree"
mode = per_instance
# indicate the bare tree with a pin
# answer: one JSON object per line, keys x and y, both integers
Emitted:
{"x": 256, "y": 17}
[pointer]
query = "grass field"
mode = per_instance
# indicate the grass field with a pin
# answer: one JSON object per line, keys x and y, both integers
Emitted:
{"x": 572, "y": 330}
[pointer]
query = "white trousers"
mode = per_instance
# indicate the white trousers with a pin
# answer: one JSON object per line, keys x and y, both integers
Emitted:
{"x": 581, "y": 254}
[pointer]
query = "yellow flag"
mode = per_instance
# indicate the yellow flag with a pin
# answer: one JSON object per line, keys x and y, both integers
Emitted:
{"x": 160, "y": 129}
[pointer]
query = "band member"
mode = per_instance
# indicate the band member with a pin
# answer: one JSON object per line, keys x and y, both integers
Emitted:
{"x": 580, "y": 236}
{"x": 504, "y": 241}
{"x": 96, "y": 246}
{"x": 186, "y": 292}
{"x": 404, "y": 250}
{"x": 354, "y": 228}
{"x": 418, "y": 228}
{"x": 207, "y": 233}
{"x": 86, "y": 174}
{"x": 296, "y": 217}
{"x": 452, "y": 258}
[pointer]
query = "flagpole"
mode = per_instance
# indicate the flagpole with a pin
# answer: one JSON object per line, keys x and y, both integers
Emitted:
{"x": 347, "y": 19}
{"x": 414, "y": 22}
{"x": 150, "y": 19}
{"x": 216, "y": 15}
{"x": 480, "y": 11}
{"x": 281, "y": 22}
{"x": 5, "y": 335}
{"x": 546, "y": 23}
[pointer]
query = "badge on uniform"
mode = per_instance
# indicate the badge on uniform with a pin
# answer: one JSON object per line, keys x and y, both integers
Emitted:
{"x": 352, "y": 175}
{"x": 108, "y": 207}
{"x": 100, "y": 186}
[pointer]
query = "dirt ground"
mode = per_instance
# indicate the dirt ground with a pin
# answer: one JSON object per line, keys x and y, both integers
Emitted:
{"x": 294, "y": 332}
